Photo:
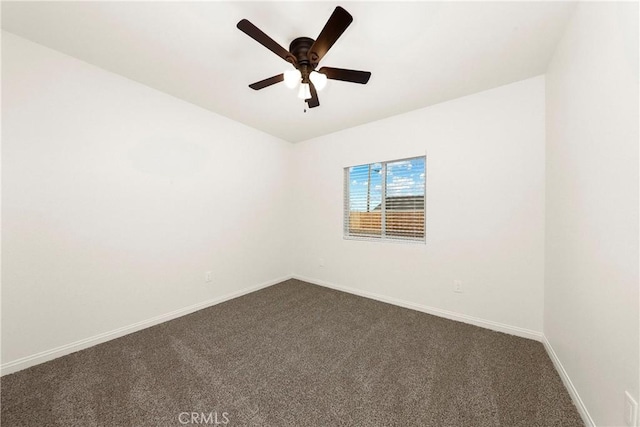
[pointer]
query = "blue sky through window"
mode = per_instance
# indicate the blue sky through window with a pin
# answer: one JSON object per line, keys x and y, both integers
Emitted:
{"x": 404, "y": 178}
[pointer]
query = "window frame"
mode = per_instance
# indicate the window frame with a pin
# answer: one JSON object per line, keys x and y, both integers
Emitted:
{"x": 383, "y": 237}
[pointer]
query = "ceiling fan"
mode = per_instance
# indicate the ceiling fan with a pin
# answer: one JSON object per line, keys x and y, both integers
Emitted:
{"x": 304, "y": 54}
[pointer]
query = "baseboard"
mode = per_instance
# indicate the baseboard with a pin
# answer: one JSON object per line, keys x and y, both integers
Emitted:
{"x": 582, "y": 409}
{"x": 488, "y": 324}
{"x": 44, "y": 356}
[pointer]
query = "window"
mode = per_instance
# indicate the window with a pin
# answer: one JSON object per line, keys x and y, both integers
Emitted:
{"x": 385, "y": 200}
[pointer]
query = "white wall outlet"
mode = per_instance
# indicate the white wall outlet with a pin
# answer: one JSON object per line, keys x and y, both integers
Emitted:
{"x": 630, "y": 410}
{"x": 321, "y": 262}
{"x": 457, "y": 286}
{"x": 208, "y": 276}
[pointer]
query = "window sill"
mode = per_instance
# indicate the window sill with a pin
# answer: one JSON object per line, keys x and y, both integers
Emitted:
{"x": 385, "y": 240}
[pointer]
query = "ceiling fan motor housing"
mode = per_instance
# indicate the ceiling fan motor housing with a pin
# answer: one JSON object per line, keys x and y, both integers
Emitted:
{"x": 299, "y": 48}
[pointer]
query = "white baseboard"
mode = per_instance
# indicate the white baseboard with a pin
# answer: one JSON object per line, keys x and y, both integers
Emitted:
{"x": 582, "y": 409}
{"x": 488, "y": 324}
{"x": 44, "y": 356}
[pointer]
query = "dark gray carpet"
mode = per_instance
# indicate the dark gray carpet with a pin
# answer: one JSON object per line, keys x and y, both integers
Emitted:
{"x": 296, "y": 354}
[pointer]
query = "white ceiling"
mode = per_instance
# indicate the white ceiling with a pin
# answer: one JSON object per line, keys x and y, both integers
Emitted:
{"x": 419, "y": 53}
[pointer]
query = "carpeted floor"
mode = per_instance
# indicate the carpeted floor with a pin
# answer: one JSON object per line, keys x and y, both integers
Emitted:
{"x": 296, "y": 354}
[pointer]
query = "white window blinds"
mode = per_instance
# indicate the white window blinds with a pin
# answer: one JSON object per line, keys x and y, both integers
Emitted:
{"x": 386, "y": 200}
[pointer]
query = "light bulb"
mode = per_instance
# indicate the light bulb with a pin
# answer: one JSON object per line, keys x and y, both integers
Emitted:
{"x": 319, "y": 80}
{"x": 304, "y": 92}
{"x": 292, "y": 78}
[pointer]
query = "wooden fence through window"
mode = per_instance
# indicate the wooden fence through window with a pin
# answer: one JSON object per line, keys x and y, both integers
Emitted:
{"x": 405, "y": 223}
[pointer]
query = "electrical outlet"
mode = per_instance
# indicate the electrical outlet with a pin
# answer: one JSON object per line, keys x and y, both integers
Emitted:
{"x": 208, "y": 276}
{"x": 321, "y": 262}
{"x": 457, "y": 286}
{"x": 630, "y": 410}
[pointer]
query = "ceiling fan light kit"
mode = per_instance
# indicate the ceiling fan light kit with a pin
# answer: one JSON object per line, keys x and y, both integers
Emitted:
{"x": 319, "y": 80}
{"x": 305, "y": 54}
{"x": 305, "y": 91}
{"x": 292, "y": 78}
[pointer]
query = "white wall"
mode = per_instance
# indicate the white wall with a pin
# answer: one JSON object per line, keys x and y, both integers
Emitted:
{"x": 485, "y": 207}
{"x": 591, "y": 286}
{"x": 117, "y": 198}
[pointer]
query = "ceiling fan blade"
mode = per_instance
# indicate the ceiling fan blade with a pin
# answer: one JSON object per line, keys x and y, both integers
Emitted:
{"x": 339, "y": 20}
{"x": 267, "y": 82}
{"x": 313, "y": 101}
{"x": 353, "y": 76}
{"x": 255, "y": 33}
